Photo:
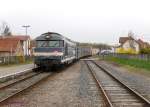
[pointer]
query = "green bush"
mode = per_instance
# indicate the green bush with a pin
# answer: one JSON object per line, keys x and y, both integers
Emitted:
{"x": 145, "y": 51}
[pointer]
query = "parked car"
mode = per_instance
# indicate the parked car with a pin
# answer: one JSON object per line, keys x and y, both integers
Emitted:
{"x": 105, "y": 52}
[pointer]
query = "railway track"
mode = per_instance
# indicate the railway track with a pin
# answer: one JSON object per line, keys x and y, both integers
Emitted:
{"x": 16, "y": 86}
{"x": 115, "y": 93}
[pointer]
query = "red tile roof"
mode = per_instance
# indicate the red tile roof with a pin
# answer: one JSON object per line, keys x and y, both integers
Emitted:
{"x": 8, "y": 44}
{"x": 140, "y": 42}
{"x": 124, "y": 39}
{"x": 21, "y": 37}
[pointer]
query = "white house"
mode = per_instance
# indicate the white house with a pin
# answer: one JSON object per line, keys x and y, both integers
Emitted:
{"x": 95, "y": 51}
{"x": 131, "y": 44}
{"x": 25, "y": 41}
{"x": 128, "y": 44}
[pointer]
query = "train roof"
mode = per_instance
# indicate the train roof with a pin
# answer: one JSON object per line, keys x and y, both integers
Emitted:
{"x": 53, "y": 36}
{"x": 50, "y": 36}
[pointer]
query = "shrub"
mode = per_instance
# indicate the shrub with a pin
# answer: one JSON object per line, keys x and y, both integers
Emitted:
{"x": 127, "y": 51}
{"x": 145, "y": 51}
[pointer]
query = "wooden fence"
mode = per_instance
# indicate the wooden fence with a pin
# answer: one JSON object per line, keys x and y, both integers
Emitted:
{"x": 14, "y": 59}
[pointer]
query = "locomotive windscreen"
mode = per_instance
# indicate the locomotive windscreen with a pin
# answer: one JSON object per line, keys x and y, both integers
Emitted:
{"x": 49, "y": 43}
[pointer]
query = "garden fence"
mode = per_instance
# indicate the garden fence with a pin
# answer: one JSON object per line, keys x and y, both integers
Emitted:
{"x": 129, "y": 56}
{"x": 14, "y": 59}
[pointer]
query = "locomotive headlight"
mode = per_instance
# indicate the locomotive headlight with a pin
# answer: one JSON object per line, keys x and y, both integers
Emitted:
{"x": 47, "y": 37}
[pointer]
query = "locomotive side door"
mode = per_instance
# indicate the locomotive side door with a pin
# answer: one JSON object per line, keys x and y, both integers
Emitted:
{"x": 66, "y": 50}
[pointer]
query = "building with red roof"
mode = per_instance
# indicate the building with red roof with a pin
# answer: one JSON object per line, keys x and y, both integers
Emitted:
{"x": 129, "y": 44}
{"x": 15, "y": 45}
{"x": 10, "y": 47}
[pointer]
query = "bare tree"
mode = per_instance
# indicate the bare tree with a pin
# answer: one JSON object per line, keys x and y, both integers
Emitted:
{"x": 131, "y": 34}
{"x": 5, "y": 29}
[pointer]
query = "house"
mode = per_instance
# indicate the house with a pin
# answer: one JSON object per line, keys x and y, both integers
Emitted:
{"x": 143, "y": 44}
{"x": 128, "y": 45}
{"x": 95, "y": 51}
{"x": 10, "y": 47}
{"x": 32, "y": 46}
{"x": 131, "y": 45}
{"x": 24, "y": 41}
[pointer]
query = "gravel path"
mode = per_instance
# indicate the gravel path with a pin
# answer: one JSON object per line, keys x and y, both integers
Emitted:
{"x": 70, "y": 88}
{"x": 135, "y": 80}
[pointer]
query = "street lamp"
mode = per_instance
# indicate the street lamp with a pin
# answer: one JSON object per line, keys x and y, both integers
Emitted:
{"x": 26, "y": 28}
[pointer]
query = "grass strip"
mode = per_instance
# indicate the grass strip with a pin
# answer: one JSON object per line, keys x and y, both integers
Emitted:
{"x": 131, "y": 62}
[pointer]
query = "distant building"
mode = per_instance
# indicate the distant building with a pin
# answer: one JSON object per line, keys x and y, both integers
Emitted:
{"x": 10, "y": 47}
{"x": 24, "y": 42}
{"x": 143, "y": 44}
{"x": 95, "y": 51}
{"x": 32, "y": 46}
{"x": 130, "y": 45}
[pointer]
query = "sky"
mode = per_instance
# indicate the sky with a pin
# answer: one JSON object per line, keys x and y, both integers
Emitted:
{"x": 100, "y": 21}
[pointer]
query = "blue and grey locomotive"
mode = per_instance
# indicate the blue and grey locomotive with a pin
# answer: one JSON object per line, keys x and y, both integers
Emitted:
{"x": 54, "y": 49}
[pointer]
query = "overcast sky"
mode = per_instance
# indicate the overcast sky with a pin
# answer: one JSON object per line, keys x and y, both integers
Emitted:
{"x": 102, "y": 21}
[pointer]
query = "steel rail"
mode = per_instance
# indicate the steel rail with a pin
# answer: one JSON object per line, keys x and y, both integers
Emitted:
{"x": 109, "y": 104}
{"x": 17, "y": 81}
{"x": 15, "y": 75}
{"x": 123, "y": 84}
{"x": 6, "y": 83}
{"x": 23, "y": 89}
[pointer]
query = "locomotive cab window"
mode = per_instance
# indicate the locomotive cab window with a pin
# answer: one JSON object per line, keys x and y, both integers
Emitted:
{"x": 52, "y": 43}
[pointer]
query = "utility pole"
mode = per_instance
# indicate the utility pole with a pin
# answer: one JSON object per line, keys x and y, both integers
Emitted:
{"x": 26, "y": 28}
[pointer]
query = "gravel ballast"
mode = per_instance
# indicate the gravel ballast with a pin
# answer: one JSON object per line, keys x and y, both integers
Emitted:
{"x": 72, "y": 87}
{"x": 135, "y": 80}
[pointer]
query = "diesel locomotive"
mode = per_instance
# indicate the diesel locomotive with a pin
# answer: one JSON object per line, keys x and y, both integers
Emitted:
{"x": 53, "y": 49}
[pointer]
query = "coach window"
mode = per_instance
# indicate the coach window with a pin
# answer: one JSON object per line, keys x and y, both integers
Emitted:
{"x": 61, "y": 43}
